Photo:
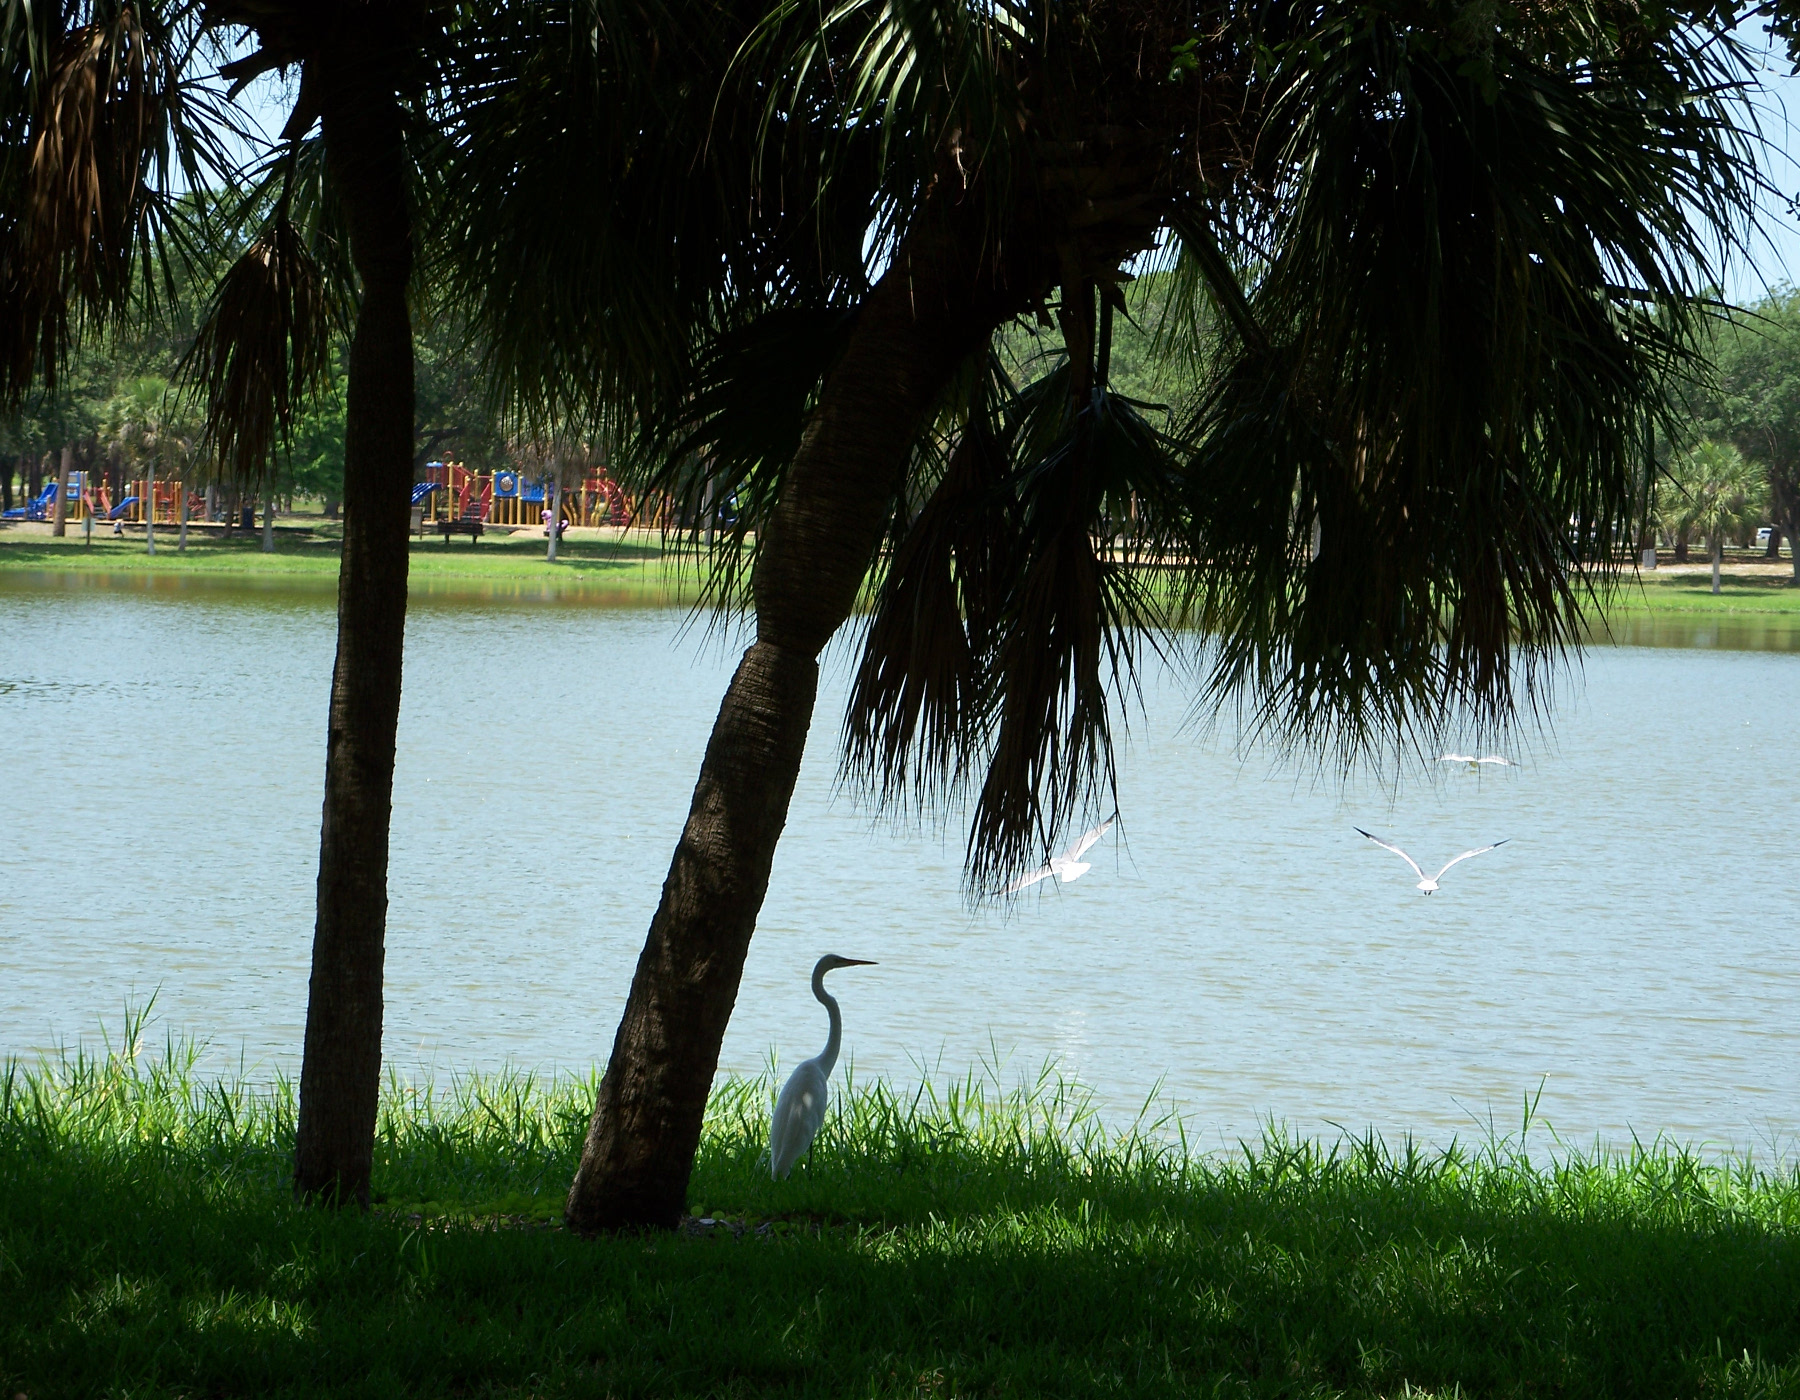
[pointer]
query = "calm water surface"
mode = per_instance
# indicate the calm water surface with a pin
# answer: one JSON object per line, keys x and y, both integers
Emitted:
{"x": 1632, "y": 949}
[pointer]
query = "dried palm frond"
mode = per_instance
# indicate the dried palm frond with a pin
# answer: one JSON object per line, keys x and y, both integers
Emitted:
{"x": 262, "y": 350}
{"x": 73, "y": 236}
{"x": 99, "y": 114}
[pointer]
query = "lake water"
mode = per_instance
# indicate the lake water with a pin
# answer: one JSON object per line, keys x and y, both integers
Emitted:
{"x": 1238, "y": 948}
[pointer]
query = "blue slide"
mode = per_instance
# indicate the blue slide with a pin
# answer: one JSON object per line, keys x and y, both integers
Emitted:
{"x": 36, "y": 510}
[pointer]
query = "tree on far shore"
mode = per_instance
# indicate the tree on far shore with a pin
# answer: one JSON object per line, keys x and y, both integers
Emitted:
{"x": 1714, "y": 489}
{"x": 1753, "y": 400}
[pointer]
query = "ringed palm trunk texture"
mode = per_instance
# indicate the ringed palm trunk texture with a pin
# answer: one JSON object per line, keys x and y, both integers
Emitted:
{"x": 932, "y": 308}
{"x": 341, "y": 1072}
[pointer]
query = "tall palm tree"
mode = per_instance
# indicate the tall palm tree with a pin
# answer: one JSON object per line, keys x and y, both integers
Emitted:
{"x": 110, "y": 108}
{"x": 1435, "y": 269}
{"x": 1717, "y": 491}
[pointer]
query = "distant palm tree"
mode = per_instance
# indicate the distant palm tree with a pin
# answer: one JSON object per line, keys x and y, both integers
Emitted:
{"x": 1432, "y": 273}
{"x": 147, "y": 427}
{"x": 1716, "y": 490}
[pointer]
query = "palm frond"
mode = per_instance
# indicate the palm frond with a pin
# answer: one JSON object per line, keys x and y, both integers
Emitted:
{"x": 606, "y": 219}
{"x": 721, "y": 453}
{"x": 1004, "y": 640}
{"x": 1481, "y": 280}
{"x": 263, "y": 348}
{"x": 919, "y": 704}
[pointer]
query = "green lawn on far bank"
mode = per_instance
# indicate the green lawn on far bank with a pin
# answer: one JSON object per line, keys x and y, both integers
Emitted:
{"x": 616, "y": 566}
{"x": 960, "y": 1243}
{"x": 637, "y": 564}
{"x": 1742, "y": 590}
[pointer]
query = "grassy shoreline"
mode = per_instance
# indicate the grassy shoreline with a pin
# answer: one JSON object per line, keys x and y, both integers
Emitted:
{"x": 634, "y": 566}
{"x": 957, "y": 1241}
{"x": 602, "y": 566}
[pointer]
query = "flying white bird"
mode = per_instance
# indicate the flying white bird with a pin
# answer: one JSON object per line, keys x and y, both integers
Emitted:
{"x": 1475, "y": 763}
{"x": 801, "y": 1108}
{"x": 1069, "y": 865}
{"x": 1429, "y": 883}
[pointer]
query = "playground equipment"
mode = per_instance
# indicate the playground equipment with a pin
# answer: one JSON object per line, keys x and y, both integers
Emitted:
{"x": 38, "y": 508}
{"x": 450, "y": 491}
{"x": 77, "y": 502}
{"x": 88, "y": 497}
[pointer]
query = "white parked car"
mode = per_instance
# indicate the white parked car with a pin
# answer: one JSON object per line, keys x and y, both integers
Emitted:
{"x": 1762, "y": 537}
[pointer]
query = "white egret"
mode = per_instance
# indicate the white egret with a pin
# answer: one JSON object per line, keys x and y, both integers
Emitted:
{"x": 1475, "y": 763}
{"x": 1069, "y": 865}
{"x": 801, "y": 1107}
{"x": 1429, "y": 883}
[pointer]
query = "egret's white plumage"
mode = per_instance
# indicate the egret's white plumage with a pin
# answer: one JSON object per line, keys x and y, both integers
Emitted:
{"x": 1067, "y": 866}
{"x": 801, "y": 1108}
{"x": 1492, "y": 759}
{"x": 1429, "y": 883}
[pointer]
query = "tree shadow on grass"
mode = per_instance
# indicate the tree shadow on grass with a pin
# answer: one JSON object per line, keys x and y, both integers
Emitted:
{"x": 941, "y": 1262}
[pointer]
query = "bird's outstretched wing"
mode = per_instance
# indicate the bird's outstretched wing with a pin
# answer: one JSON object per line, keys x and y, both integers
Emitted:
{"x": 1478, "y": 851}
{"x": 1390, "y": 846}
{"x": 1025, "y": 881}
{"x": 1450, "y": 758}
{"x": 1079, "y": 846}
{"x": 1496, "y": 759}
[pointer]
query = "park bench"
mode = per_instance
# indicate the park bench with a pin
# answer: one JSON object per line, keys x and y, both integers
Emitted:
{"x": 469, "y": 525}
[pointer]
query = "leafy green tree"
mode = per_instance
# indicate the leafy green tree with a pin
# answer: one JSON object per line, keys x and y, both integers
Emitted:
{"x": 313, "y": 459}
{"x": 1754, "y": 401}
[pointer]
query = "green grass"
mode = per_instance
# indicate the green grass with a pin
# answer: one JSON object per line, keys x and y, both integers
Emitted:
{"x": 1771, "y": 594}
{"x": 957, "y": 1241}
{"x": 636, "y": 569}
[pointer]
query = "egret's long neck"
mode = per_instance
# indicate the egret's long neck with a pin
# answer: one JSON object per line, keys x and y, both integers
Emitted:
{"x": 829, "y": 1057}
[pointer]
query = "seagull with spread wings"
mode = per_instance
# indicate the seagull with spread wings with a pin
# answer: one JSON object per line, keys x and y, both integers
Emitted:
{"x": 1429, "y": 883}
{"x": 1069, "y": 865}
{"x": 1475, "y": 763}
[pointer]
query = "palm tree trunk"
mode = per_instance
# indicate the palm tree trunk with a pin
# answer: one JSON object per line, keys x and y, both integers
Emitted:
{"x": 181, "y": 539}
{"x": 555, "y": 516}
{"x": 1717, "y": 551}
{"x": 150, "y": 508}
{"x": 341, "y": 1070}
{"x": 269, "y": 521}
{"x": 59, "y": 508}
{"x": 934, "y": 307}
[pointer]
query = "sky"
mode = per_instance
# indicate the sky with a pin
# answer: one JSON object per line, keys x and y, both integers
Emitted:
{"x": 1776, "y": 251}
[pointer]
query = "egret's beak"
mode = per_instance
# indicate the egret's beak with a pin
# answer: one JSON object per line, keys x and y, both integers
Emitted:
{"x": 860, "y": 962}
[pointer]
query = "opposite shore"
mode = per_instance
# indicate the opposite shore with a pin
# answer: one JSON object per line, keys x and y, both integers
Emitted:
{"x": 644, "y": 568}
